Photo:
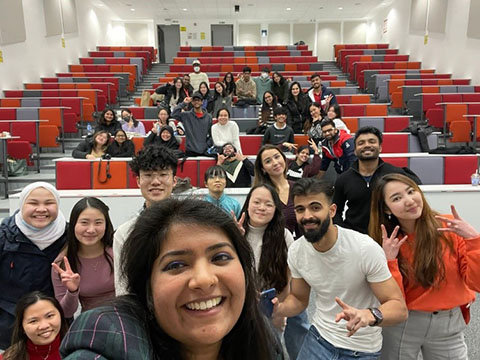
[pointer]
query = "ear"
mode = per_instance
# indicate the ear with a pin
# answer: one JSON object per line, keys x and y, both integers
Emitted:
{"x": 388, "y": 211}
{"x": 332, "y": 210}
{"x": 138, "y": 181}
{"x": 174, "y": 182}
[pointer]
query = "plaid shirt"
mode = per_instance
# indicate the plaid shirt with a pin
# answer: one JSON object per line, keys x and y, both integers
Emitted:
{"x": 106, "y": 333}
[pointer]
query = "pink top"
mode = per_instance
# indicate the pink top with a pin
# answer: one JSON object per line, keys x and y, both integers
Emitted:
{"x": 96, "y": 284}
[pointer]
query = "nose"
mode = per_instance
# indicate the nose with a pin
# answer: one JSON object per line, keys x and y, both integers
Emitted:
{"x": 307, "y": 215}
{"x": 203, "y": 277}
{"x": 43, "y": 324}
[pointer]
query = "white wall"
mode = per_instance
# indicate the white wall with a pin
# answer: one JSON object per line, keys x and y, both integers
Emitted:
{"x": 354, "y": 32}
{"x": 306, "y": 33}
{"x": 328, "y": 35}
{"x": 449, "y": 52}
{"x": 278, "y": 34}
{"x": 249, "y": 34}
{"x": 44, "y": 56}
{"x": 136, "y": 34}
{"x": 194, "y": 29}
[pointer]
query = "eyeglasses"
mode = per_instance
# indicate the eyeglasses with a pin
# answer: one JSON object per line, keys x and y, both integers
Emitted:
{"x": 120, "y": 135}
{"x": 148, "y": 176}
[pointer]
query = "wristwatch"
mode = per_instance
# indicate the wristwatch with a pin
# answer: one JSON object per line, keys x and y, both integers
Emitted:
{"x": 377, "y": 314}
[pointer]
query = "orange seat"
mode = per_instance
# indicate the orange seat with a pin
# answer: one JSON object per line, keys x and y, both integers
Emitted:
{"x": 337, "y": 83}
{"x": 53, "y": 115}
{"x": 48, "y": 135}
{"x": 376, "y": 110}
{"x": 138, "y": 143}
{"x": 360, "y": 99}
{"x": 397, "y": 100}
{"x": 461, "y": 131}
{"x": 301, "y": 140}
{"x": 352, "y": 123}
{"x": 455, "y": 112}
{"x": 117, "y": 171}
{"x": 10, "y": 103}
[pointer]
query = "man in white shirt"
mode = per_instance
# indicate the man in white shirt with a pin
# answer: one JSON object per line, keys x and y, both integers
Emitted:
{"x": 155, "y": 167}
{"x": 197, "y": 77}
{"x": 355, "y": 292}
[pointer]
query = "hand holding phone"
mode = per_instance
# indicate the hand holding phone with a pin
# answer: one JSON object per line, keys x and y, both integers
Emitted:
{"x": 266, "y": 305}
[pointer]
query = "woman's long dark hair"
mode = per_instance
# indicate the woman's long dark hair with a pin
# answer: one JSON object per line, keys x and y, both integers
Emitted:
{"x": 208, "y": 89}
{"x": 309, "y": 121}
{"x": 427, "y": 267}
{"x": 282, "y": 79}
{"x": 102, "y": 121}
{"x": 265, "y": 110}
{"x": 18, "y": 348}
{"x": 272, "y": 267}
{"x": 135, "y": 121}
{"x": 216, "y": 95}
{"x": 94, "y": 139}
{"x": 337, "y": 110}
{"x": 176, "y": 92}
{"x": 261, "y": 177}
{"x": 250, "y": 338}
{"x": 71, "y": 246}
{"x": 230, "y": 86}
{"x": 300, "y": 94}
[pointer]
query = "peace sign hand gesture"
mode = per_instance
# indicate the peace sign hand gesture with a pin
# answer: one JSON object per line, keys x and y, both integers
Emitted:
{"x": 239, "y": 222}
{"x": 458, "y": 225}
{"x": 391, "y": 245}
{"x": 70, "y": 279}
{"x": 356, "y": 318}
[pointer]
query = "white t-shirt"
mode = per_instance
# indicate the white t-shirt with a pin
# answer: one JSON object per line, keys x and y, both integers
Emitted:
{"x": 344, "y": 271}
{"x": 255, "y": 239}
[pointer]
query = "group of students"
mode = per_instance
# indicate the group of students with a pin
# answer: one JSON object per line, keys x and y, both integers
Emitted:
{"x": 190, "y": 272}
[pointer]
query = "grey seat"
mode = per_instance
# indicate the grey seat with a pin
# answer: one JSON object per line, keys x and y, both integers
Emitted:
{"x": 429, "y": 169}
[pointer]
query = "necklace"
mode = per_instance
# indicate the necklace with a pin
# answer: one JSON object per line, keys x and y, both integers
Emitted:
{"x": 48, "y": 353}
{"x": 95, "y": 266}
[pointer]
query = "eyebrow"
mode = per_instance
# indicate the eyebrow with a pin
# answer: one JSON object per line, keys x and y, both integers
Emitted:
{"x": 398, "y": 193}
{"x": 211, "y": 248}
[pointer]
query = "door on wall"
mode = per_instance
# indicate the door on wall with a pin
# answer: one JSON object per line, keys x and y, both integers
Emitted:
{"x": 222, "y": 35}
{"x": 168, "y": 42}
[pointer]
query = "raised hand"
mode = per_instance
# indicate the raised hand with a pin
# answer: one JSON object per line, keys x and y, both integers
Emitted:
{"x": 221, "y": 159}
{"x": 313, "y": 146}
{"x": 70, "y": 279}
{"x": 239, "y": 222}
{"x": 356, "y": 318}
{"x": 457, "y": 225}
{"x": 391, "y": 245}
{"x": 239, "y": 156}
{"x": 187, "y": 100}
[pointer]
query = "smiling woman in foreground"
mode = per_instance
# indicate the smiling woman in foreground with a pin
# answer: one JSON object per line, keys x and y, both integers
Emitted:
{"x": 191, "y": 281}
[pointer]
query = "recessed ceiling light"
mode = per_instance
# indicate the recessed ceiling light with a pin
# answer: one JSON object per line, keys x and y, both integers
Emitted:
{"x": 321, "y": 7}
{"x": 250, "y": 4}
{"x": 357, "y": 4}
{"x": 185, "y": 9}
{"x": 132, "y": 9}
{"x": 165, "y": 9}
{"x": 340, "y": 8}
{"x": 288, "y": 9}
{"x": 128, "y": 5}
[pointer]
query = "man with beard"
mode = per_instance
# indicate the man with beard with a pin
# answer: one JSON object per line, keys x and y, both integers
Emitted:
{"x": 238, "y": 168}
{"x": 355, "y": 185}
{"x": 320, "y": 94}
{"x": 337, "y": 146}
{"x": 355, "y": 292}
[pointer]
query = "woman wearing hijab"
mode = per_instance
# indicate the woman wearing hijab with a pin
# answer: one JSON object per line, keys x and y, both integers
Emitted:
{"x": 165, "y": 137}
{"x": 30, "y": 240}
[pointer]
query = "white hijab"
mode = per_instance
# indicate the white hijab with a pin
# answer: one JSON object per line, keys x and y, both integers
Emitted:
{"x": 45, "y": 237}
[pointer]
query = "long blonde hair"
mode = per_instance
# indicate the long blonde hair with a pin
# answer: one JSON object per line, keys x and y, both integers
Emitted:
{"x": 427, "y": 265}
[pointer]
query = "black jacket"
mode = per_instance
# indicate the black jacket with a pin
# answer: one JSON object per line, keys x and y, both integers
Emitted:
{"x": 23, "y": 268}
{"x": 126, "y": 149}
{"x": 244, "y": 178}
{"x": 112, "y": 128}
{"x": 352, "y": 187}
{"x": 297, "y": 112}
{"x": 83, "y": 149}
{"x": 169, "y": 90}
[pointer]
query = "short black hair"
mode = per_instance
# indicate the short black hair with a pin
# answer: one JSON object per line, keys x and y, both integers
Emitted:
{"x": 154, "y": 157}
{"x": 369, "y": 130}
{"x": 280, "y": 111}
{"x": 247, "y": 69}
{"x": 213, "y": 171}
{"x": 309, "y": 186}
{"x": 326, "y": 122}
{"x": 266, "y": 69}
{"x": 228, "y": 143}
{"x": 314, "y": 76}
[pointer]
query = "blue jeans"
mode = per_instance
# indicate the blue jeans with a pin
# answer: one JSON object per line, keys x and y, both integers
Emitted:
{"x": 295, "y": 332}
{"x": 317, "y": 348}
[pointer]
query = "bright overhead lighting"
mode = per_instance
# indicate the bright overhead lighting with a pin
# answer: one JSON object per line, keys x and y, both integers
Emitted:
{"x": 132, "y": 9}
{"x": 185, "y": 9}
{"x": 288, "y": 9}
{"x": 340, "y": 8}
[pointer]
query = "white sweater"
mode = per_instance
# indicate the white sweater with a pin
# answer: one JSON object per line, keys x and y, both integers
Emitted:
{"x": 228, "y": 133}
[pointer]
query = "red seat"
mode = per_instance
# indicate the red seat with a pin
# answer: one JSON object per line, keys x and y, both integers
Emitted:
{"x": 250, "y": 144}
{"x": 396, "y": 124}
{"x": 82, "y": 178}
{"x": 188, "y": 169}
{"x": 458, "y": 169}
{"x": 396, "y": 161}
{"x": 20, "y": 150}
{"x": 395, "y": 143}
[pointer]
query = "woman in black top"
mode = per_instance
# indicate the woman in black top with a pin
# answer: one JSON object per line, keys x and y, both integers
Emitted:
{"x": 300, "y": 167}
{"x": 164, "y": 137}
{"x": 207, "y": 97}
{"x": 229, "y": 82}
{"x": 297, "y": 105}
{"x": 108, "y": 122}
{"x": 280, "y": 87}
{"x": 121, "y": 146}
{"x": 174, "y": 92}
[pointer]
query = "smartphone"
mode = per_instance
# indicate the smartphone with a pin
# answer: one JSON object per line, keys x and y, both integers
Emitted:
{"x": 265, "y": 304}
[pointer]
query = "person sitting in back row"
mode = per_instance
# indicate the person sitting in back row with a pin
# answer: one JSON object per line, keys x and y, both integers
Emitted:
{"x": 121, "y": 146}
{"x": 108, "y": 122}
{"x": 320, "y": 94}
{"x": 246, "y": 88}
{"x": 238, "y": 168}
{"x": 197, "y": 77}
{"x": 280, "y": 133}
{"x": 263, "y": 83}
{"x": 130, "y": 124}
{"x": 197, "y": 124}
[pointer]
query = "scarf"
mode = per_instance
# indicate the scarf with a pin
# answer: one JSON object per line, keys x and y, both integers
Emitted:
{"x": 46, "y": 236}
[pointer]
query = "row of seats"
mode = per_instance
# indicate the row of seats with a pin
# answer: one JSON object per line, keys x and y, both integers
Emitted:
{"x": 423, "y": 102}
{"x": 312, "y": 66}
{"x": 432, "y": 170}
{"x": 245, "y": 60}
{"x": 244, "y": 48}
{"x": 342, "y": 54}
{"x": 350, "y": 60}
{"x": 126, "y": 82}
{"x": 209, "y": 54}
{"x": 138, "y": 61}
{"x": 146, "y": 55}
{"x": 149, "y": 49}
{"x": 369, "y": 76}
{"x": 88, "y": 69}
{"x": 360, "y": 67}
{"x": 338, "y": 47}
